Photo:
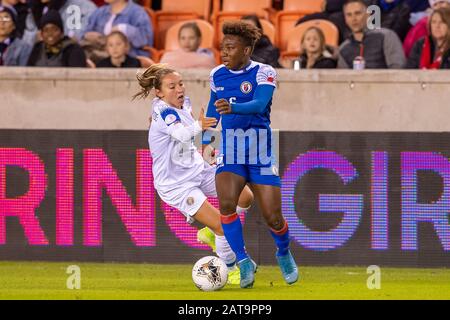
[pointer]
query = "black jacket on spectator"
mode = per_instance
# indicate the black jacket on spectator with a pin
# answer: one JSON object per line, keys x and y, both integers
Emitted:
{"x": 396, "y": 19}
{"x": 129, "y": 62}
{"x": 265, "y": 52}
{"x": 416, "y": 53}
{"x": 70, "y": 55}
{"x": 321, "y": 63}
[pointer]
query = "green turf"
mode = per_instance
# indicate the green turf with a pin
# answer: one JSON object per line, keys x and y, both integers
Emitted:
{"x": 44, "y": 280}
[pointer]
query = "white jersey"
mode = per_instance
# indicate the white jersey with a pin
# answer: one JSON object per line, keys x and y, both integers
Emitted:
{"x": 176, "y": 161}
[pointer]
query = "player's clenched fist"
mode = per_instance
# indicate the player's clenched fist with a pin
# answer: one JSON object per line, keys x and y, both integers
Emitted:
{"x": 206, "y": 122}
{"x": 222, "y": 106}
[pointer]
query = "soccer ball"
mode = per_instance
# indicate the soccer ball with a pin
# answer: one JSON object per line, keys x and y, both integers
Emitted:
{"x": 210, "y": 273}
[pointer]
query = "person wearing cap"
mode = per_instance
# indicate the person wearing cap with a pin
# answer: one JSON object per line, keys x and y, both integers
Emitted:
{"x": 13, "y": 51}
{"x": 56, "y": 49}
{"x": 73, "y": 25}
{"x": 420, "y": 30}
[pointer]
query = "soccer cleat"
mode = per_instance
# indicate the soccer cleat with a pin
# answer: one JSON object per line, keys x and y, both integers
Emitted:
{"x": 206, "y": 236}
{"x": 234, "y": 276}
{"x": 288, "y": 267}
{"x": 247, "y": 269}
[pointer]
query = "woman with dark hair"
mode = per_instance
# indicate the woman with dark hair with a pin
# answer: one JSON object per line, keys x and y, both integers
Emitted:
{"x": 314, "y": 53}
{"x": 72, "y": 26}
{"x": 433, "y": 52}
{"x": 265, "y": 51}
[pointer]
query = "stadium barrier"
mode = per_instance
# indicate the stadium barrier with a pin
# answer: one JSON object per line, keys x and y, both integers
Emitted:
{"x": 364, "y": 161}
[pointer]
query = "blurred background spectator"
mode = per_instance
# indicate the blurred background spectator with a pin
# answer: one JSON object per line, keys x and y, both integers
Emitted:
{"x": 314, "y": 52}
{"x": 433, "y": 51}
{"x": 420, "y": 30}
{"x": 265, "y": 51}
{"x": 117, "y": 46}
{"x": 126, "y": 17}
{"x": 380, "y": 48}
{"x": 72, "y": 27}
{"x": 13, "y": 50}
{"x": 190, "y": 55}
{"x": 55, "y": 49}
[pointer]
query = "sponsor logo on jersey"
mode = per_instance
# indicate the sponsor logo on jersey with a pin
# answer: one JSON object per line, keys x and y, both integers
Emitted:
{"x": 246, "y": 87}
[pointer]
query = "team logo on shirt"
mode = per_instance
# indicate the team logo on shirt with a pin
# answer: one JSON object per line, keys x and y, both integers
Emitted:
{"x": 170, "y": 118}
{"x": 246, "y": 87}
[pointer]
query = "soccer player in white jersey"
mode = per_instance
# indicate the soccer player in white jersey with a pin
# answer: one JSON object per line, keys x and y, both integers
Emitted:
{"x": 182, "y": 178}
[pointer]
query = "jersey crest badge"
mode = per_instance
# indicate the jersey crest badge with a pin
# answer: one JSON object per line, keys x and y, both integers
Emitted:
{"x": 246, "y": 87}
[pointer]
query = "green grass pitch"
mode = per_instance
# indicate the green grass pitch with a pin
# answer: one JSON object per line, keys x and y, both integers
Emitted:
{"x": 47, "y": 280}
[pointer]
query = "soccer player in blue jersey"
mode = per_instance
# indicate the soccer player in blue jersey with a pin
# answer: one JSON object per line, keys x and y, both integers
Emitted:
{"x": 241, "y": 94}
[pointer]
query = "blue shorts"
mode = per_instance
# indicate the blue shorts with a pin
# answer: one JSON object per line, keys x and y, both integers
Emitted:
{"x": 252, "y": 173}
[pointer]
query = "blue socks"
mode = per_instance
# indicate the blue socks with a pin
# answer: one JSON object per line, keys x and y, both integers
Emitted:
{"x": 232, "y": 229}
{"x": 281, "y": 238}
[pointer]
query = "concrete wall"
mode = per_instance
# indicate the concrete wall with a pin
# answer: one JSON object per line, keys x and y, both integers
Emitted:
{"x": 317, "y": 100}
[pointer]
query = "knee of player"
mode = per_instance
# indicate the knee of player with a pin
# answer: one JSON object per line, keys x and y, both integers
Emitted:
{"x": 227, "y": 207}
{"x": 246, "y": 199}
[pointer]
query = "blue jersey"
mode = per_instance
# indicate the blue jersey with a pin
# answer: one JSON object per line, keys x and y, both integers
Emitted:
{"x": 246, "y": 140}
{"x": 238, "y": 87}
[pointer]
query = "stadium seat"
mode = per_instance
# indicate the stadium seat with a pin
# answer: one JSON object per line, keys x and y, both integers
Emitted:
{"x": 294, "y": 37}
{"x": 292, "y": 11}
{"x": 174, "y": 11}
{"x": 235, "y": 9}
{"x": 268, "y": 29}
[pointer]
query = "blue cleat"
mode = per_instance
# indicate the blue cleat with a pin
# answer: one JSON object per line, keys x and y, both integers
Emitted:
{"x": 288, "y": 268}
{"x": 247, "y": 269}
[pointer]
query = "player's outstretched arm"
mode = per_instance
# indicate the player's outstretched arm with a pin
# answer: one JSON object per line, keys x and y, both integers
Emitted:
{"x": 262, "y": 97}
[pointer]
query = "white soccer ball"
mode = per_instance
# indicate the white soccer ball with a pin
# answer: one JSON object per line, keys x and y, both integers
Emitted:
{"x": 210, "y": 273}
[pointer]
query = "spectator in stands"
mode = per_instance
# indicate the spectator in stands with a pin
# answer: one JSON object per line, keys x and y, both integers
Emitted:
{"x": 380, "y": 48}
{"x": 55, "y": 49}
{"x": 118, "y": 46}
{"x": 190, "y": 55}
{"x": 433, "y": 51}
{"x": 13, "y": 51}
{"x": 394, "y": 15}
{"x": 265, "y": 51}
{"x": 72, "y": 24}
{"x": 127, "y": 17}
{"x": 420, "y": 30}
{"x": 314, "y": 52}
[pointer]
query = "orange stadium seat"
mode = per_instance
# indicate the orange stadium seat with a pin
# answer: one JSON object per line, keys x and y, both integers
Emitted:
{"x": 292, "y": 11}
{"x": 268, "y": 29}
{"x": 174, "y": 11}
{"x": 293, "y": 40}
{"x": 235, "y": 9}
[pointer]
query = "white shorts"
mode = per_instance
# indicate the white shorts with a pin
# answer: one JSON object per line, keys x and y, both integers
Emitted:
{"x": 188, "y": 200}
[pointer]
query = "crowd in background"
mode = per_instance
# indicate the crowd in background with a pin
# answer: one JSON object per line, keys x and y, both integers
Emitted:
{"x": 115, "y": 33}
